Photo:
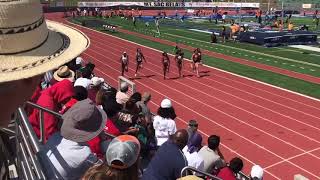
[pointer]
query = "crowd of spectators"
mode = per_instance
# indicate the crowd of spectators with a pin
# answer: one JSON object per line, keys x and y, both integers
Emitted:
{"x": 107, "y": 133}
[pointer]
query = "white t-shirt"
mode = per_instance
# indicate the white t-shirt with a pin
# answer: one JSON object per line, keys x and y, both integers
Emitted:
{"x": 124, "y": 59}
{"x": 163, "y": 129}
{"x": 194, "y": 159}
{"x": 211, "y": 159}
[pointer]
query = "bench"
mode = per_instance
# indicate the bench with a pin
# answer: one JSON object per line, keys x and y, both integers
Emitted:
{"x": 109, "y": 27}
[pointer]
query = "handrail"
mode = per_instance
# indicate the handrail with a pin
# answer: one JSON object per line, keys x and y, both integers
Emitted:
{"x": 58, "y": 115}
{"x": 185, "y": 170}
{"x": 28, "y": 148}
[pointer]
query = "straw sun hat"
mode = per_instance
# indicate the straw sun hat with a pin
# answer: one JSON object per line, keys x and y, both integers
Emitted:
{"x": 31, "y": 45}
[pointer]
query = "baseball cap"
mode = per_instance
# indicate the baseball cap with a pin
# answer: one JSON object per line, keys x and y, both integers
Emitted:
{"x": 84, "y": 82}
{"x": 257, "y": 172}
{"x": 123, "y": 151}
{"x": 96, "y": 81}
{"x": 166, "y": 103}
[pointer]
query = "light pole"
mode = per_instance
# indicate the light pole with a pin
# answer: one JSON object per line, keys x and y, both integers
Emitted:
{"x": 282, "y": 15}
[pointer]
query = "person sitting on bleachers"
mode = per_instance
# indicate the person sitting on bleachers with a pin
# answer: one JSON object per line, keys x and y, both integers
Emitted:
{"x": 164, "y": 123}
{"x": 192, "y": 128}
{"x": 62, "y": 73}
{"x": 80, "y": 93}
{"x": 229, "y": 172}
{"x": 169, "y": 160}
{"x": 213, "y": 158}
{"x": 52, "y": 98}
{"x": 122, "y": 96}
{"x": 95, "y": 86}
{"x": 67, "y": 150}
{"x": 256, "y": 173}
{"x": 121, "y": 161}
{"x": 191, "y": 152}
{"x": 143, "y": 104}
{"x": 85, "y": 79}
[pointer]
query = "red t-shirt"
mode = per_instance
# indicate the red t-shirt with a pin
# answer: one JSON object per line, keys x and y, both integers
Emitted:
{"x": 68, "y": 105}
{"x": 226, "y": 174}
{"x": 111, "y": 128}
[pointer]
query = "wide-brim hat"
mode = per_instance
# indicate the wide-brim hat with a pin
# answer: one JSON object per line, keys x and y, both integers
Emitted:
{"x": 64, "y": 73}
{"x": 31, "y": 45}
{"x": 82, "y": 122}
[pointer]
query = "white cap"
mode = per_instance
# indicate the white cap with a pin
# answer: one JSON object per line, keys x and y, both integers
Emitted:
{"x": 79, "y": 60}
{"x": 84, "y": 82}
{"x": 257, "y": 172}
{"x": 166, "y": 103}
{"x": 96, "y": 81}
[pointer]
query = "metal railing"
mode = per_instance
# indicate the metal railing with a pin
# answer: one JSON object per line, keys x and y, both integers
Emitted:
{"x": 185, "y": 171}
{"x": 28, "y": 149}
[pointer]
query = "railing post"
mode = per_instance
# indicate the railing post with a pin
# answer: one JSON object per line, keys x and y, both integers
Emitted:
{"x": 42, "y": 129}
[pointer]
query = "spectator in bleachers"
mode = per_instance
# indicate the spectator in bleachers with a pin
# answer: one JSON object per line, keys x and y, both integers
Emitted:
{"x": 96, "y": 84}
{"x": 68, "y": 151}
{"x": 135, "y": 97}
{"x": 143, "y": 104}
{"x": 164, "y": 123}
{"x": 85, "y": 79}
{"x": 191, "y": 152}
{"x": 256, "y": 173}
{"x": 112, "y": 109}
{"x": 121, "y": 161}
{"x": 52, "y": 98}
{"x": 169, "y": 160}
{"x": 213, "y": 158}
{"x": 62, "y": 73}
{"x": 121, "y": 96}
{"x": 80, "y": 93}
{"x": 229, "y": 172}
{"x": 192, "y": 128}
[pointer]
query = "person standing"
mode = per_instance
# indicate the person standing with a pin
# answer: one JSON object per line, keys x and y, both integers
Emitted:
{"x": 124, "y": 63}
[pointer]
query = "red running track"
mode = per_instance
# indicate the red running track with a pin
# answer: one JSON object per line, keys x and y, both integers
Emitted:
{"x": 265, "y": 125}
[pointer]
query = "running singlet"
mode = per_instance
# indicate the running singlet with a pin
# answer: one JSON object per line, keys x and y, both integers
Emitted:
{"x": 139, "y": 57}
{"x": 165, "y": 60}
{"x": 179, "y": 59}
{"x": 124, "y": 59}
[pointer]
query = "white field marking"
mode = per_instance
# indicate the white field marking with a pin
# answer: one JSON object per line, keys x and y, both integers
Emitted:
{"x": 293, "y": 157}
{"x": 205, "y": 134}
{"x": 255, "y": 52}
{"x": 293, "y": 65}
{"x": 301, "y": 67}
{"x": 309, "y": 48}
{"x": 276, "y": 61}
{"x": 102, "y": 49}
{"x": 268, "y": 60}
{"x": 261, "y": 147}
{"x": 284, "y": 63}
{"x": 312, "y": 70}
{"x": 227, "y": 72}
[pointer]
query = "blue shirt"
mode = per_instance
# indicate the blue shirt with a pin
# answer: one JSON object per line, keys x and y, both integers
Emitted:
{"x": 166, "y": 164}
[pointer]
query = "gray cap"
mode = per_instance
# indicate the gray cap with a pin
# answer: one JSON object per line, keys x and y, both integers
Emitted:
{"x": 123, "y": 151}
{"x": 82, "y": 122}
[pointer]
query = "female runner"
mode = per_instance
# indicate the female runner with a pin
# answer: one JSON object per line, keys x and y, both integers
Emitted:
{"x": 139, "y": 58}
{"x": 166, "y": 64}
{"x": 124, "y": 62}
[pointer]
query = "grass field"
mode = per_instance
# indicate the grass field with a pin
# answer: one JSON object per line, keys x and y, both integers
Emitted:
{"x": 297, "y": 60}
{"x": 286, "y": 58}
